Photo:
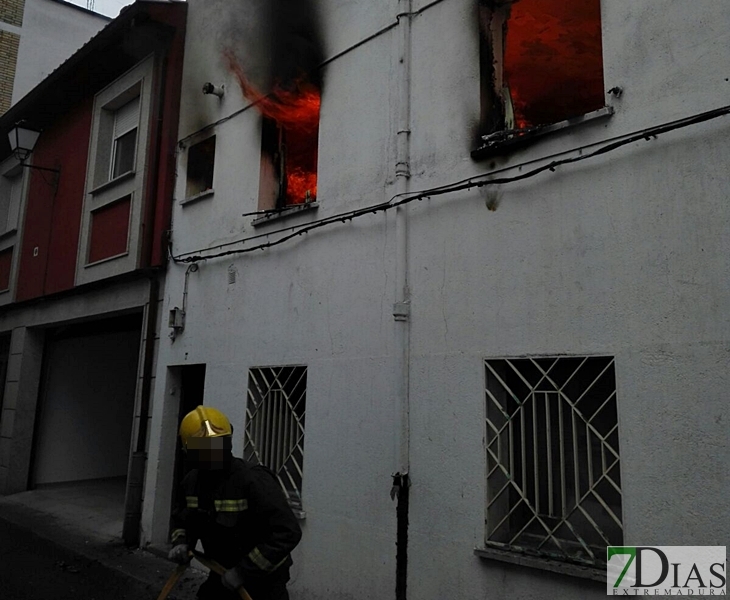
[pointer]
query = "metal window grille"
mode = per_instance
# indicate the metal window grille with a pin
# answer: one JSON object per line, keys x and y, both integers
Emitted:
{"x": 275, "y": 424}
{"x": 553, "y": 472}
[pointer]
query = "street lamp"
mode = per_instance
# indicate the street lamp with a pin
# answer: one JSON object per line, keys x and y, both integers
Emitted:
{"x": 22, "y": 141}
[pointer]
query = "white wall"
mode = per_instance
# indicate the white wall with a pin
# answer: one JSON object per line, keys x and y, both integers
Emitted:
{"x": 624, "y": 255}
{"x": 52, "y": 32}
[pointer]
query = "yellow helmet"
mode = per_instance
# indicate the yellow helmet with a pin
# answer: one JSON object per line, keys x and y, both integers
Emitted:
{"x": 204, "y": 422}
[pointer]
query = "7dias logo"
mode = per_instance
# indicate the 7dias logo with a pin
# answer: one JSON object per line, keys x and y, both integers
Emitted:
{"x": 666, "y": 570}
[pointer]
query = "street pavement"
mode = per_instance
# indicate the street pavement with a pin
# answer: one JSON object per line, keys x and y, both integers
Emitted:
{"x": 35, "y": 568}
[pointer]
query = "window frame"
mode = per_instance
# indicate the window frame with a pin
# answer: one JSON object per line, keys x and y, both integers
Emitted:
{"x": 11, "y": 236}
{"x": 493, "y": 549}
{"x": 262, "y": 381}
{"x": 274, "y": 168}
{"x": 116, "y": 137}
{"x": 101, "y": 188}
{"x": 497, "y": 133}
{"x": 197, "y": 143}
{"x": 12, "y": 171}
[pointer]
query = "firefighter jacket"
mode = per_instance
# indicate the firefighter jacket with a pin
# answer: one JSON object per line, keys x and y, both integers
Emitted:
{"x": 241, "y": 516}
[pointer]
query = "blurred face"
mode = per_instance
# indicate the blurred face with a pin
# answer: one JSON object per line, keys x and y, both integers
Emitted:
{"x": 209, "y": 453}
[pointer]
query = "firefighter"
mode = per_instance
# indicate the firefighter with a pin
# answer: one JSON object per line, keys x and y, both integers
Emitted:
{"x": 236, "y": 509}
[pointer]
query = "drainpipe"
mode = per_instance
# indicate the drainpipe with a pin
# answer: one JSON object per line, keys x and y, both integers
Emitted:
{"x": 135, "y": 477}
{"x": 401, "y": 309}
{"x": 135, "y": 480}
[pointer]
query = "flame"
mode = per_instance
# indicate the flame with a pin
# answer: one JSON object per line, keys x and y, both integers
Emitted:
{"x": 295, "y": 111}
{"x": 553, "y": 60}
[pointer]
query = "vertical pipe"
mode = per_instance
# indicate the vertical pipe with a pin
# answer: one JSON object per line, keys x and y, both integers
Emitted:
{"x": 402, "y": 292}
{"x": 135, "y": 479}
{"x": 401, "y": 308}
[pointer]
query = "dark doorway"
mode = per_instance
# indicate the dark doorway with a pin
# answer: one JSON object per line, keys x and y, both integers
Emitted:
{"x": 191, "y": 380}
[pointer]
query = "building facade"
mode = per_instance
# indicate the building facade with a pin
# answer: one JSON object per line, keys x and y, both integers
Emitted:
{"x": 485, "y": 335}
{"x": 456, "y": 269}
{"x": 36, "y": 36}
{"x": 85, "y": 217}
{"x": 490, "y": 337}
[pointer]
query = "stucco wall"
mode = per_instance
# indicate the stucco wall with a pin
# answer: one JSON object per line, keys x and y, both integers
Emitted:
{"x": 52, "y": 31}
{"x": 623, "y": 255}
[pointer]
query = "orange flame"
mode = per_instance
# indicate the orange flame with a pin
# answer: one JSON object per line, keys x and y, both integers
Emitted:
{"x": 296, "y": 112}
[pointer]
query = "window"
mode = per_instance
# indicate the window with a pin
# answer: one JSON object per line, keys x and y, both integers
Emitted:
{"x": 274, "y": 434}
{"x": 289, "y": 144}
{"x": 113, "y": 217}
{"x": 110, "y": 230}
{"x": 6, "y": 266}
{"x": 552, "y": 450}
{"x": 201, "y": 160}
{"x": 11, "y": 187}
{"x": 541, "y": 62}
{"x": 124, "y": 140}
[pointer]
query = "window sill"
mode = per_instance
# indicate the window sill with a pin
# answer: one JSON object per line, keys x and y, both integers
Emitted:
{"x": 104, "y": 260}
{"x": 285, "y": 213}
{"x": 200, "y": 196}
{"x": 544, "y": 564}
{"x": 8, "y": 233}
{"x": 501, "y": 142}
{"x": 114, "y": 182}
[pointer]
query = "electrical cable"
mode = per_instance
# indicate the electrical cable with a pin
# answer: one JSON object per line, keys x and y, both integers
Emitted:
{"x": 465, "y": 184}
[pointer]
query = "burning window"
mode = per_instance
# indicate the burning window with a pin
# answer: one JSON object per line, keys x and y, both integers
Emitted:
{"x": 289, "y": 140}
{"x": 201, "y": 161}
{"x": 541, "y": 61}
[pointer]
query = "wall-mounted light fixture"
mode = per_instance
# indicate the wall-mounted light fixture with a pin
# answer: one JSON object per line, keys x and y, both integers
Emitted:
{"x": 216, "y": 90}
{"x": 22, "y": 140}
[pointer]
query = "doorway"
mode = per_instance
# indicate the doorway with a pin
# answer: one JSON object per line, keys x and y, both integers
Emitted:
{"x": 191, "y": 384}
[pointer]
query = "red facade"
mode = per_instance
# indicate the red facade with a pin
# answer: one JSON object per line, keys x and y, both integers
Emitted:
{"x": 54, "y": 203}
{"x": 54, "y": 215}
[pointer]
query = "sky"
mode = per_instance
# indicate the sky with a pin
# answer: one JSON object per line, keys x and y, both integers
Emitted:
{"x": 109, "y": 8}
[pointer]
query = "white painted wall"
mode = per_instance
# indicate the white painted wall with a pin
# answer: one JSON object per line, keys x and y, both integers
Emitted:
{"x": 625, "y": 255}
{"x": 87, "y": 408}
{"x": 52, "y": 31}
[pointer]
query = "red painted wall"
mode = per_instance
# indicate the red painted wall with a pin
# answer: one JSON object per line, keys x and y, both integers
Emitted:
{"x": 155, "y": 251}
{"x": 53, "y": 220}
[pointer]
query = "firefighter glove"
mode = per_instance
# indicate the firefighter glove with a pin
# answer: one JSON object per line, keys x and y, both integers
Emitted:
{"x": 180, "y": 554}
{"x": 232, "y": 579}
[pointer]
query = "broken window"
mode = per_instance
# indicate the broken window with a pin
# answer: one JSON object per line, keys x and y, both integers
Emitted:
{"x": 541, "y": 62}
{"x": 553, "y": 468}
{"x": 274, "y": 436}
{"x": 289, "y": 138}
{"x": 201, "y": 162}
{"x": 289, "y": 159}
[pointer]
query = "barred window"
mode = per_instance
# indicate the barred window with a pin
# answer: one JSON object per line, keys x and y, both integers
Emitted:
{"x": 274, "y": 434}
{"x": 553, "y": 471}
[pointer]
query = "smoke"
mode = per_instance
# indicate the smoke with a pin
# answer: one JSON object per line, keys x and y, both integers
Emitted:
{"x": 276, "y": 42}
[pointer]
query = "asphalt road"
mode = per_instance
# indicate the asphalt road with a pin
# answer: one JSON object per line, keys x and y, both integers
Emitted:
{"x": 32, "y": 568}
